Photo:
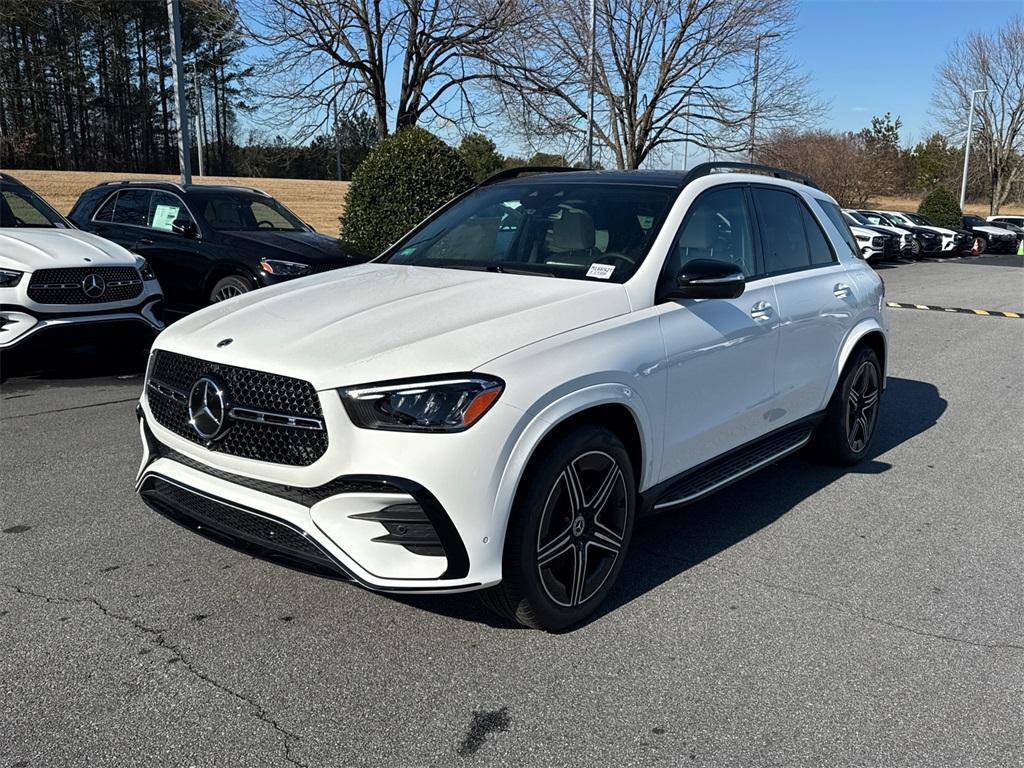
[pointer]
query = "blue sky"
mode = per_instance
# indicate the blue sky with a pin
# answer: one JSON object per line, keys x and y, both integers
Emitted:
{"x": 869, "y": 57}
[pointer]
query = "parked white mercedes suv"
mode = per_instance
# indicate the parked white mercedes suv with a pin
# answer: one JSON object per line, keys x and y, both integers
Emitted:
{"x": 55, "y": 278}
{"x": 491, "y": 403}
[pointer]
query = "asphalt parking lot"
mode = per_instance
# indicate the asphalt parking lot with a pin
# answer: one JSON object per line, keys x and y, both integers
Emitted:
{"x": 803, "y": 617}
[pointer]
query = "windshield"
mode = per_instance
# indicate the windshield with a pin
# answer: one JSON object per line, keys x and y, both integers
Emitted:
{"x": 21, "y": 207}
{"x": 571, "y": 230}
{"x": 237, "y": 211}
{"x": 914, "y": 218}
{"x": 899, "y": 218}
{"x": 858, "y": 217}
{"x": 975, "y": 221}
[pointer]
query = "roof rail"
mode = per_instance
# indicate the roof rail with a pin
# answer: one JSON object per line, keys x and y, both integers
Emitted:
{"x": 174, "y": 184}
{"x": 523, "y": 170}
{"x": 706, "y": 169}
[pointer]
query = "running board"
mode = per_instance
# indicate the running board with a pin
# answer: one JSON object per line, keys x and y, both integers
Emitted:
{"x": 718, "y": 473}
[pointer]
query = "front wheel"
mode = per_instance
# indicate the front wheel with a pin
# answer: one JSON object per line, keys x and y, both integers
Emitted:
{"x": 229, "y": 287}
{"x": 569, "y": 531}
{"x": 845, "y": 434}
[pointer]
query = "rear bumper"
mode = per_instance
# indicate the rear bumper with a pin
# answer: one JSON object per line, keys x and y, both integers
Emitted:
{"x": 19, "y": 324}
{"x": 334, "y": 529}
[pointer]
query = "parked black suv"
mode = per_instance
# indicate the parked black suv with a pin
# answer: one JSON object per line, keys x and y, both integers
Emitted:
{"x": 207, "y": 243}
{"x": 991, "y": 236}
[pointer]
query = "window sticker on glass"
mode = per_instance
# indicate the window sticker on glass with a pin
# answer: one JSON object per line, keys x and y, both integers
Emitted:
{"x": 164, "y": 216}
{"x": 601, "y": 271}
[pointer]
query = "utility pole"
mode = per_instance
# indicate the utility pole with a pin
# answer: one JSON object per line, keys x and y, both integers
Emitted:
{"x": 199, "y": 117}
{"x": 593, "y": 77}
{"x": 753, "y": 103}
{"x": 180, "y": 105}
{"x": 337, "y": 125}
{"x": 967, "y": 145}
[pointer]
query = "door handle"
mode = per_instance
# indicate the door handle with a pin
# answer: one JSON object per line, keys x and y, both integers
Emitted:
{"x": 762, "y": 310}
{"x": 145, "y": 241}
{"x": 841, "y": 290}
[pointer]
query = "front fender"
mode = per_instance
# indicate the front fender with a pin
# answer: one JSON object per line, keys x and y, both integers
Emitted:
{"x": 537, "y": 423}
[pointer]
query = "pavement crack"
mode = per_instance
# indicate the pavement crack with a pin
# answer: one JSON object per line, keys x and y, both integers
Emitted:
{"x": 857, "y": 613}
{"x": 158, "y": 637}
{"x": 72, "y": 408}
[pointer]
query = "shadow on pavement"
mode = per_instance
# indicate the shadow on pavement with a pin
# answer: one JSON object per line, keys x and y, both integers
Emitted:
{"x": 52, "y": 361}
{"x": 668, "y": 544}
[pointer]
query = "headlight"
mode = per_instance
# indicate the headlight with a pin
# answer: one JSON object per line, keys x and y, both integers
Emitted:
{"x": 283, "y": 268}
{"x": 449, "y": 404}
{"x": 144, "y": 269}
{"x": 9, "y": 278}
{"x": 863, "y": 238}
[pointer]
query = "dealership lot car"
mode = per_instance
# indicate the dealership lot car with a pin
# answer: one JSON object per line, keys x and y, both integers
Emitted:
{"x": 55, "y": 279}
{"x": 991, "y": 237}
{"x": 905, "y": 243}
{"x": 208, "y": 243}
{"x": 953, "y": 240}
{"x": 490, "y": 404}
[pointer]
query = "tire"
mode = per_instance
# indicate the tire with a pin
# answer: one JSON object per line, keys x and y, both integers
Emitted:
{"x": 229, "y": 287}
{"x": 549, "y": 530}
{"x": 844, "y": 436}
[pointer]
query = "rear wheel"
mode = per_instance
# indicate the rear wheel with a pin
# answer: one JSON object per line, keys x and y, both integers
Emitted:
{"x": 568, "y": 533}
{"x": 850, "y": 419}
{"x": 229, "y": 287}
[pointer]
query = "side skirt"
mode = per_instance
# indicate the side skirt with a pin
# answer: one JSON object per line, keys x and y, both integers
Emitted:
{"x": 704, "y": 479}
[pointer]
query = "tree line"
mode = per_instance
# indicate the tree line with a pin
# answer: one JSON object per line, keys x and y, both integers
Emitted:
{"x": 87, "y": 84}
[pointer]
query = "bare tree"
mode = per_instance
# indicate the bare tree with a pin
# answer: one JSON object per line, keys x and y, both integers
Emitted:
{"x": 840, "y": 163}
{"x": 994, "y": 62}
{"x": 324, "y": 51}
{"x": 667, "y": 71}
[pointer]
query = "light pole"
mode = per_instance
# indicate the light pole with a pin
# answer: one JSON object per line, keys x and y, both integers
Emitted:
{"x": 967, "y": 145}
{"x": 180, "y": 105}
{"x": 753, "y": 101}
{"x": 592, "y": 76}
{"x": 199, "y": 117}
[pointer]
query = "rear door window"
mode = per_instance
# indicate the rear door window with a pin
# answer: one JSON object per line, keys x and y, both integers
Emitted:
{"x": 132, "y": 207}
{"x": 783, "y": 233}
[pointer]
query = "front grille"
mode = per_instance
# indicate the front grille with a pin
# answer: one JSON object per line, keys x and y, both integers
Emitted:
{"x": 171, "y": 379}
{"x": 315, "y": 269}
{"x": 66, "y": 286}
{"x": 245, "y": 530}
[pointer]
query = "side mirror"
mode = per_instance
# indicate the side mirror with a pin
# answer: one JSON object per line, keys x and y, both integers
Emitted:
{"x": 184, "y": 227}
{"x": 708, "y": 279}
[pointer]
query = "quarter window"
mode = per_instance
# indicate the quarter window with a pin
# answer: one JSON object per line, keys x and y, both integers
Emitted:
{"x": 840, "y": 221}
{"x": 821, "y": 251}
{"x": 717, "y": 226}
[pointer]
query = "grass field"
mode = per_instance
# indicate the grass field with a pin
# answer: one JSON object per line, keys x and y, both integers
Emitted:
{"x": 319, "y": 203}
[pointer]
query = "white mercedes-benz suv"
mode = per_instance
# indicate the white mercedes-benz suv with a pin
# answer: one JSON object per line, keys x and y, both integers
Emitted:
{"x": 491, "y": 403}
{"x": 55, "y": 278}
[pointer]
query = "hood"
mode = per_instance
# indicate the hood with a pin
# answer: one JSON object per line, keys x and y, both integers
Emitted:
{"x": 30, "y": 248}
{"x": 898, "y": 231}
{"x": 938, "y": 230}
{"x": 306, "y": 247}
{"x": 993, "y": 230}
{"x": 374, "y": 322}
{"x": 863, "y": 231}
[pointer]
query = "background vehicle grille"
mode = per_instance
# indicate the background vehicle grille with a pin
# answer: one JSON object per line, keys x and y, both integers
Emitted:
{"x": 64, "y": 286}
{"x": 170, "y": 381}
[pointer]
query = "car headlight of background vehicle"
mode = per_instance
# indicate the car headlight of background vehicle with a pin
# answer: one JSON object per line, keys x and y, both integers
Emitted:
{"x": 446, "y": 404}
{"x": 283, "y": 268}
{"x": 9, "y": 278}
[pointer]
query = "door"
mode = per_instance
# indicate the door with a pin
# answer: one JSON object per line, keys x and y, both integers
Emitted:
{"x": 177, "y": 260}
{"x": 817, "y": 299}
{"x": 719, "y": 353}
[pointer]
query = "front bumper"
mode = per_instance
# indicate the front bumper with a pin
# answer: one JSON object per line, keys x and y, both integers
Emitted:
{"x": 19, "y": 324}
{"x": 340, "y": 527}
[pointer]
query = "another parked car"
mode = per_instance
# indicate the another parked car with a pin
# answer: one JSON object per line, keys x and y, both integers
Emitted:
{"x": 491, "y": 403}
{"x": 954, "y": 241}
{"x": 1013, "y": 223}
{"x": 906, "y": 244}
{"x": 55, "y": 279}
{"x": 874, "y": 245}
{"x": 208, "y": 243}
{"x": 991, "y": 237}
{"x": 930, "y": 241}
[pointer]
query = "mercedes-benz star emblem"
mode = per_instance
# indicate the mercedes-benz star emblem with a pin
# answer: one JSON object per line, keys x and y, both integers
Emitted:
{"x": 93, "y": 285}
{"x": 224, "y": 342}
{"x": 207, "y": 408}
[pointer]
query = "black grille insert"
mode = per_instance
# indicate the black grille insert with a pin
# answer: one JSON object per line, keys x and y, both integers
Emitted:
{"x": 253, "y": 533}
{"x": 171, "y": 379}
{"x": 69, "y": 285}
